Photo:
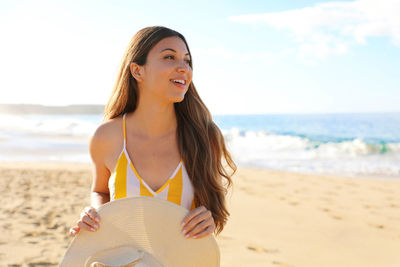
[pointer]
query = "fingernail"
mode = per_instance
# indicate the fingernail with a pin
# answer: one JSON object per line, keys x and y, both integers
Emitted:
{"x": 184, "y": 231}
{"x": 97, "y": 219}
{"x": 96, "y": 225}
{"x": 186, "y": 236}
{"x": 91, "y": 228}
{"x": 182, "y": 223}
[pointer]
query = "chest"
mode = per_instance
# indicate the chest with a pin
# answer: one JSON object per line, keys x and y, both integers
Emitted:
{"x": 154, "y": 161}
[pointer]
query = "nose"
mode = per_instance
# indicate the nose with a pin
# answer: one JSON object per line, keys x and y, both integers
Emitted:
{"x": 183, "y": 67}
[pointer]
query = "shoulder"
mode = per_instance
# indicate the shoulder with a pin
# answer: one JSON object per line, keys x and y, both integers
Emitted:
{"x": 108, "y": 128}
{"x": 107, "y": 137}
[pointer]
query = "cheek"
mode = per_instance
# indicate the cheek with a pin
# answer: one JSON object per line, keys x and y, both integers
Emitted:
{"x": 190, "y": 76}
{"x": 159, "y": 76}
{"x": 164, "y": 73}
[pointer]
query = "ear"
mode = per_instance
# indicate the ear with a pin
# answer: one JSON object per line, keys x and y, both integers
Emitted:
{"x": 136, "y": 71}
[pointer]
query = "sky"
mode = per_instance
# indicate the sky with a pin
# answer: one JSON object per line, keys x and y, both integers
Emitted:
{"x": 249, "y": 57}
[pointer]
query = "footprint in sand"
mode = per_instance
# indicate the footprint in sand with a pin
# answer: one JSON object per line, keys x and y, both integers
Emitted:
{"x": 7, "y": 226}
{"x": 35, "y": 234}
{"x": 336, "y": 217}
{"x": 367, "y": 207}
{"x": 261, "y": 249}
{"x": 377, "y": 225}
{"x": 282, "y": 264}
{"x": 42, "y": 263}
{"x": 294, "y": 203}
{"x": 325, "y": 209}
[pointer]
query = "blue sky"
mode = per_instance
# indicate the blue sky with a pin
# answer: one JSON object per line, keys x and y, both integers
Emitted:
{"x": 248, "y": 56}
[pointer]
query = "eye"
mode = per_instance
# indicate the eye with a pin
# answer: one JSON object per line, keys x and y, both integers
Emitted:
{"x": 172, "y": 57}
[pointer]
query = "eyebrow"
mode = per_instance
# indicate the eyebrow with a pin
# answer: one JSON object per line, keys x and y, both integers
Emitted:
{"x": 172, "y": 50}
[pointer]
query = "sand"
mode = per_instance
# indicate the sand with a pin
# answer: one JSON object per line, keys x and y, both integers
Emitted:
{"x": 277, "y": 218}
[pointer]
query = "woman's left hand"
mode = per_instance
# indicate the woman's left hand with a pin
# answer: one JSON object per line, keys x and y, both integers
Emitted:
{"x": 198, "y": 223}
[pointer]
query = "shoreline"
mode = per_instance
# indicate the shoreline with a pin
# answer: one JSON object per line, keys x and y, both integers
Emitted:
{"x": 66, "y": 164}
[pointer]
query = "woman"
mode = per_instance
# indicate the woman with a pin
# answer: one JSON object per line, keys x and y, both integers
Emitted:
{"x": 156, "y": 124}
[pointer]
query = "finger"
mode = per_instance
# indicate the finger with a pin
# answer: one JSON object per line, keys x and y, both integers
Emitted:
{"x": 86, "y": 219}
{"x": 83, "y": 225}
{"x": 206, "y": 232}
{"x": 193, "y": 213}
{"x": 194, "y": 221}
{"x": 200, "y": 227}
{"x": 87, "y": 209}
{"x": 74, "y": 230}
{"x": 92, "y": 213}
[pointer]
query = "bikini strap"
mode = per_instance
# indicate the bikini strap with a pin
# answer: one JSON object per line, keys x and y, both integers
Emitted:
{"x": 123, "y": 128}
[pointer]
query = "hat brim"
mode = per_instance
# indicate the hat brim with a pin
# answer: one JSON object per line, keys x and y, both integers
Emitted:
{"x": 149, "y": 224}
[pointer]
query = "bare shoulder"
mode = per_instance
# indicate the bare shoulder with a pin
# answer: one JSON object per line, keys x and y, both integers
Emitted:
{"x": 106, "y": 142}
{"x": 107, "y": 129}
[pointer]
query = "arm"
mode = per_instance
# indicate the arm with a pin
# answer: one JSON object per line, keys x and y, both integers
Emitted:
{"x": 98, "y": 151}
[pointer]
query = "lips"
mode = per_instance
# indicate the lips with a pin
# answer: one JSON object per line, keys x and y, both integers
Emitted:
{"x": 180, "y": 81}
{"x": 178, "y": 84}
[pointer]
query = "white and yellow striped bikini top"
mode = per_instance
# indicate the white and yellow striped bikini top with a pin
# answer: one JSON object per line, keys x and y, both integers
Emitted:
{"x": 126, "y": 182}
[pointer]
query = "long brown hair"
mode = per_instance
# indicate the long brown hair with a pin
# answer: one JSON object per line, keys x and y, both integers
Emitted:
{"x": 201, "y": 143}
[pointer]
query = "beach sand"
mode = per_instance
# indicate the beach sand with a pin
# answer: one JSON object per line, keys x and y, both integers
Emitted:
{"x": 277, "y": 218}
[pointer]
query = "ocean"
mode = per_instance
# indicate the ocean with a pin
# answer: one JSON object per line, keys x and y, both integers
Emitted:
{"x": 354, "y": 145}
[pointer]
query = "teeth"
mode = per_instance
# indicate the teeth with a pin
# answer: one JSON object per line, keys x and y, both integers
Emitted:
{"x": 180, "y": 81}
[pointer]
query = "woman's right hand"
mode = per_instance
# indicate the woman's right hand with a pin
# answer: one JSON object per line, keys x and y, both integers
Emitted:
{"x": 89, "y": 221}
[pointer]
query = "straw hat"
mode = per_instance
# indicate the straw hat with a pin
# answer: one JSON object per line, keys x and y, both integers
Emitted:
{"x": 141, "y": 232}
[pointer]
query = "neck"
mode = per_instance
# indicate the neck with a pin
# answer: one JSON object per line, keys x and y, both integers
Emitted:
{"x": 153, "y": 119}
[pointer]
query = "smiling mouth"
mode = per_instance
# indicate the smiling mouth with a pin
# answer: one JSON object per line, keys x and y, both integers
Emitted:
{"x": 179, "y": 81}
{"x": 178, "y": 84}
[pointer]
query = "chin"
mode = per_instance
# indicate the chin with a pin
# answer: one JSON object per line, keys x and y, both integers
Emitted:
{"x": 178, "y": 98}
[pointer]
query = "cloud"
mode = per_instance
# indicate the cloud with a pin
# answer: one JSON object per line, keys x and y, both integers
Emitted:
{"x": 332, "y": 27}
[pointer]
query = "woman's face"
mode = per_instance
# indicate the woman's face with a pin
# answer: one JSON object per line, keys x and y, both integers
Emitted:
{"x": 167, "y": 61}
